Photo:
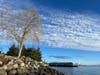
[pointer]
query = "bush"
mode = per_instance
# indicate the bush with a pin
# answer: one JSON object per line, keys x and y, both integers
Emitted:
{"x": 28, "y": 52}
{"x": 13, "y": 51}
{"x": 33, "y": 53}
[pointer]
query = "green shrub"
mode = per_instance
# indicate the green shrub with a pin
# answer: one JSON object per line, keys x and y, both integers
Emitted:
{"x": 28, "y": 52}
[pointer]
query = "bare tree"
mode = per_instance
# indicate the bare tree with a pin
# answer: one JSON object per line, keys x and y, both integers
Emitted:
{"x": 22, "y": 24}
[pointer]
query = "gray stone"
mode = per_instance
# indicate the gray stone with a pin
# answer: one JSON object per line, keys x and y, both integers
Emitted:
{"x": 5, "y": 67}
{"x": 22, "y": 71}
{"x": 15, "y": 66}
{"x": 18, "y": 61}
{"x": 1, "y": 63}
{"x": 12, "y": 72}
{"x": 3, "y": 72}
{"x": 28, "y": 59}
{"x": 22, "y": 64}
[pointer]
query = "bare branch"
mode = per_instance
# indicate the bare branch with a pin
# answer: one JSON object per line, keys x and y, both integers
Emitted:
{"x": 21, "y": 24}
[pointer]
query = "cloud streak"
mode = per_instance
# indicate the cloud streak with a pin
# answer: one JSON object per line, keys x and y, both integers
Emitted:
{"x": 60, "y": 57}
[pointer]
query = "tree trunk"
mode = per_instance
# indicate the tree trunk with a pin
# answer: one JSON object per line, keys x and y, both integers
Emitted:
{"x": 26, "y": 29}
{"x": 20, "y": 49}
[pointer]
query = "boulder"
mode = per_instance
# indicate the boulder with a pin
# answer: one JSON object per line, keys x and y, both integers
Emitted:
{"x": 15, "y": 66}
{"x": 25, "y": 66}
{"x": 28, "y": 60}
{"x": 18, "y": 61}
{"x": 3, "y": 72}
{"x": 5, "y": 67}
{"x": 22, "y": 71}
{"x": 12, "y": 72}
{"x": 1, "y": 63}
{"x": 10, "y": 63}
{"x": 22, "y": 64}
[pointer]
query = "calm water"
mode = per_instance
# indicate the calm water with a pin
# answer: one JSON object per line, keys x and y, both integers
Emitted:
{"x": 79, "y": 70}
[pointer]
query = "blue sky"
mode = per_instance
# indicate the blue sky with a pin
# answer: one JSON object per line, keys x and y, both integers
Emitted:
{"x": 79, "y": 5}
{"x": 71, "y": 29}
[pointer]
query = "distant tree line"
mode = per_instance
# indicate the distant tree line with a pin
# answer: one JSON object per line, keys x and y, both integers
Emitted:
{"x": 28, "y": 52}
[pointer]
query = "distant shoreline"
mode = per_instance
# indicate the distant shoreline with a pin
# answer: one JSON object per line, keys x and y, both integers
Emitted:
{"x": 62, "y": 64}
{"x": 89, "y": 65}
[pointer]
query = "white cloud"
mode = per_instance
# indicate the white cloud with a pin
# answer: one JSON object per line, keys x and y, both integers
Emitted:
{"x": 71, "y": 30}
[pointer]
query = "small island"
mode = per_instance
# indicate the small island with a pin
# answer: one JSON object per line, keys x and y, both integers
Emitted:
{"x": 63, "y": 64}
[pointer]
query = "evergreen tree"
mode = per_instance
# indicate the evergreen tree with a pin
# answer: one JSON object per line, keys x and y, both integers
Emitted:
{"x": 13, "y": 51}
{"x": 33, "y": 53}
{"x": 28, "y": 52}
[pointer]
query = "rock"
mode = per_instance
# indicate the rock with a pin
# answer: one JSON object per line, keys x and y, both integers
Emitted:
{"x": 18, "y": 61}
{"x": 28, "y": 60}
{"x": 22, "y": 71}
{"x": 35, "y": 66}
{"x": 10, "y": 66}
{"x": 26, "y": 66}
{"x": 12, "y": 72}
{"x": 3, "y": 72}
{"x": 36, "y": 62}
{"x": 15, "y": 66}
{"x": 22, "y": 64}
{"x": 1, "y": 63}
{"x": 2, "y": 56}
{"x": 5, "y": 67}
{"x": 31, "y": 71}
{"x": 23, "y": 58}
{"x": 5, "y": 61}
{"x": 10, "y": 62}
{"x": 32, "y": 63}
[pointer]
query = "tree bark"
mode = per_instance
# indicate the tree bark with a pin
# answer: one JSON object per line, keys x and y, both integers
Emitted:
{"x": 20, "y": 49}
{"x": 22, "y": 39}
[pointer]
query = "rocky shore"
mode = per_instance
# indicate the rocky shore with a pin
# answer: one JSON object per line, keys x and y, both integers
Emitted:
{"x": 24, "y": 66}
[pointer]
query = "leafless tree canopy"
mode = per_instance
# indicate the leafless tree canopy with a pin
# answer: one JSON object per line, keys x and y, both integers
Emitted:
{"x": 22, "y": 24}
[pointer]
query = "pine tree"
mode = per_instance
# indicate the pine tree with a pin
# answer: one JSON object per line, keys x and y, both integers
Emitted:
{"x": 13, "y": 51}
{"x": 28, "y": 52}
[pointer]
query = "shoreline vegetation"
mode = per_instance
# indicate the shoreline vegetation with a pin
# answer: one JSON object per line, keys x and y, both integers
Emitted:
{"x": 10, "y": 65}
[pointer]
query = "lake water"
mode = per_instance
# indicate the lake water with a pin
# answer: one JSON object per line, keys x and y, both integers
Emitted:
{"x": 79, "y": 70}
